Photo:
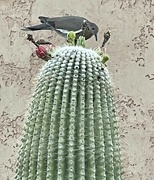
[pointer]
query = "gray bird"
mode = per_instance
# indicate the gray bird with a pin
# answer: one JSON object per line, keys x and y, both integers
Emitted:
{"x": 62, "y": 25}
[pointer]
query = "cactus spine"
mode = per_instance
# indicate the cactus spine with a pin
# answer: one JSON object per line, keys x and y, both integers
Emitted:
{"x": 71, "y": 131}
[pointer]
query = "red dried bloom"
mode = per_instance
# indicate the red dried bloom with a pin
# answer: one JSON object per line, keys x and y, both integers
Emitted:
{"x": 41, "y": 51}
{"x": 44, "y": 51}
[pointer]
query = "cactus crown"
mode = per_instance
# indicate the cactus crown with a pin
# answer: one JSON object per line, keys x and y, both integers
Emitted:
{"x": 71, "y": 131}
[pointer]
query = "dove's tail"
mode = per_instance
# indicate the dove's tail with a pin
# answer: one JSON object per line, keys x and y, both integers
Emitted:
{"x": 37, "y": 27}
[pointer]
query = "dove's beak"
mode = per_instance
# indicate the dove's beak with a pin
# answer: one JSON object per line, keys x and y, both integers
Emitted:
{"x": 95, "y": 36}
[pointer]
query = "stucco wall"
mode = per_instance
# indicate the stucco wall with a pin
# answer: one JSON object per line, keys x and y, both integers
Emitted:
{"x": 131, "y": 49}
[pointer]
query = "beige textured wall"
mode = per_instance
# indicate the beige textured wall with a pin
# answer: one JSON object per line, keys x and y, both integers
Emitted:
{"x": 131, "y": 49}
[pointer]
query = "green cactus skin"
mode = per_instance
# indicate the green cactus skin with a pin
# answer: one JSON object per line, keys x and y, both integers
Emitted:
{"x": 71, "y": 131}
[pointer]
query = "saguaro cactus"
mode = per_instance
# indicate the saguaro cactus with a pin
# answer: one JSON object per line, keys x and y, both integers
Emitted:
{"x": 71, "y": 131}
